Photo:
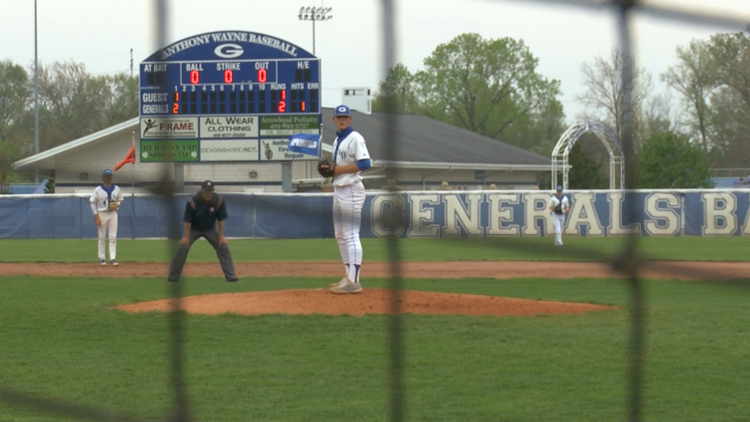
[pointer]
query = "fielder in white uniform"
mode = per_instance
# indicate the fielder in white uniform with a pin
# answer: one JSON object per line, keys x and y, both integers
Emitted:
{"x": 560, "y": 208}
{"x": 105, "y": 200}
{"x": 350, "y": 157}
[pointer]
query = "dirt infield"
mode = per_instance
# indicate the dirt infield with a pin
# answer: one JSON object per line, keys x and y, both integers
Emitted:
{"x": 370, "y": 301}
{"x": 679, "y": 270}
{"x": 375, "y": 301}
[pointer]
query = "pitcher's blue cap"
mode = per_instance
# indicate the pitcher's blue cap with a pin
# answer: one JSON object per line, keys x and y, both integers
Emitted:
{"x": 559, "y": 188}
{"x": 107, "y": 172}
{"x": 342, "y": 110}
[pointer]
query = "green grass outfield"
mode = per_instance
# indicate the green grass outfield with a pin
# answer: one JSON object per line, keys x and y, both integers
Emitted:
{"x": 59, "y": 338}
{"x": 524, "y": 249}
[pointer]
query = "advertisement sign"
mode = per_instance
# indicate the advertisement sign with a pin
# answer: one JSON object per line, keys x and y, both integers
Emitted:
{"x": 164, "y": 150}
{"x": 278, "y": 150}
{"x": 169, "y": 127}
{"x": 229, "y": 127}
{"x": 289, "y": 125}
{"x": 229, "y": 150}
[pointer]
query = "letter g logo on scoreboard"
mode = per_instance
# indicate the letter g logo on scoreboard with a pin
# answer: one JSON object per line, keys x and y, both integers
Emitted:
{"x": 229, "y": 51}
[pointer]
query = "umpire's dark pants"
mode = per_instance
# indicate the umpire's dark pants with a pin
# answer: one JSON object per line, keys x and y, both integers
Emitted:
{"x": 222, "y": 251}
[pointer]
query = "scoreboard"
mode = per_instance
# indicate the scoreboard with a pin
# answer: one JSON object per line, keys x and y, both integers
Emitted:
{"x": 227, "y": 96}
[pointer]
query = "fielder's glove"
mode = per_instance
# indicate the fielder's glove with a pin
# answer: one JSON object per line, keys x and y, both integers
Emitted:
{"x": 113, "y": 205}
{"x": 325, "y": 167}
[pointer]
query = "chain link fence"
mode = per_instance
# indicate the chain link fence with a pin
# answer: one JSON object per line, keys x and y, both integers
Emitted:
{"x": 627, "y": 261}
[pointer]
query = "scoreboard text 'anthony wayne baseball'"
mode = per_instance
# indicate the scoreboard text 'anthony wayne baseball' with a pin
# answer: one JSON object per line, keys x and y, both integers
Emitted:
{"x": 219, "y": 95}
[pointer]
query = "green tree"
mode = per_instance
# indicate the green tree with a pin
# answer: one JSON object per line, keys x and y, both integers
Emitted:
{"x": 15, "y": 93}
{"x": 399, "y": 90}
{"x": 8, "y": 155}
{"x": 117, "y": 95}
{"x": 729, "y": 129}
{"x": 668, "y": 160}
{"x": 585, "y": 173}
{"x": 488, "y": 86}
{"x": 484, "y": 85}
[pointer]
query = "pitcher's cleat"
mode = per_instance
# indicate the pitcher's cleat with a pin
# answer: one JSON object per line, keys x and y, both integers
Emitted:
{"x": 347, "y": 287}
{"x": 114, "y": 263}
{"x": 102, "y": 262}
{"x": 338, "y": 283}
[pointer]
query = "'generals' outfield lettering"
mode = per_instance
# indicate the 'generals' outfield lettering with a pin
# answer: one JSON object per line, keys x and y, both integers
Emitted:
{"x": 592, "y": 213}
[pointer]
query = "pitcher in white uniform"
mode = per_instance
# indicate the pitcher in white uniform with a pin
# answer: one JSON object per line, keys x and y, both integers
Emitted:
{"x": 560, "y": 208}
{"x": 105, "y": 200}
{"x": 350, "y": 157}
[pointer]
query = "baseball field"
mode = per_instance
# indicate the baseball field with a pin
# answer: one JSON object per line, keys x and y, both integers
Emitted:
{"x": 63, "y": 337}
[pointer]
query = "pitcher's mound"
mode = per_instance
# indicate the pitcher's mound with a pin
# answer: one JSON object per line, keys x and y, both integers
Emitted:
{"x": 370, "y": 301}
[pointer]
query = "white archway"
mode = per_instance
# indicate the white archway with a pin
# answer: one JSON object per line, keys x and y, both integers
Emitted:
{"x": 571, "y": 136}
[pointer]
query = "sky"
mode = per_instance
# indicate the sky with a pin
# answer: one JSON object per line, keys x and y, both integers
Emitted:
{"x": 100, "y": 33}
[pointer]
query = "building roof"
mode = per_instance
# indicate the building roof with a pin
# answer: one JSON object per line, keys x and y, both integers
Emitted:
{"x": 424, "y": 140}
{"x": 46, "y": 159}
{"x": 424, "y": 143}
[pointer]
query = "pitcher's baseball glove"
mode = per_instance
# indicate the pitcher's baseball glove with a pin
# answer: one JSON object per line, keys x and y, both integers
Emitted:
{"x": 325, "y": 167}
{"x": 113, "y": 205}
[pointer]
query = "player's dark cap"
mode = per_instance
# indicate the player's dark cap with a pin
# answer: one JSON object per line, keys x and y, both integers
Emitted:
{"x": 342, "y": 110}
{"x": 207, "y": 185}
{"x": 107, "y": 172}
{"x": 559, "y": 188}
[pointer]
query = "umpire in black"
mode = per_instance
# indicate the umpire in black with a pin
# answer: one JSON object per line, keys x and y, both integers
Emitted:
{"x": 201, "y": 213}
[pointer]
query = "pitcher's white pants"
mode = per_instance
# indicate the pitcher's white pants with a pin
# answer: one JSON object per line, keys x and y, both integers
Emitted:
{"x": 347, "y": 219}
{"x": 109, "y": 226}
{"x": 558, "y": 222}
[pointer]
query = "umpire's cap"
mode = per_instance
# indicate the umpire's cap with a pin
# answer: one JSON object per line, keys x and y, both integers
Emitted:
{"x": 207, "y": 185}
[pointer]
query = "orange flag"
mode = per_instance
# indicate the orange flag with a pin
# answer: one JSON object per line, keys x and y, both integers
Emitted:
{"x": 130, "y": 158}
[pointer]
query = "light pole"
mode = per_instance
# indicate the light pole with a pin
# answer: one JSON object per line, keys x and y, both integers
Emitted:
{"x": 315, "y": 14}
{"x": 36, "y": 95}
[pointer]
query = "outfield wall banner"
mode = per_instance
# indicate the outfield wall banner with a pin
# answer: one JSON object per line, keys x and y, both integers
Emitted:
{"x": 427, "y": 214}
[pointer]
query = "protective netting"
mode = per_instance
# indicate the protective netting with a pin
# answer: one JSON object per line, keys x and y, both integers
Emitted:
{"x": 627, "y": 261}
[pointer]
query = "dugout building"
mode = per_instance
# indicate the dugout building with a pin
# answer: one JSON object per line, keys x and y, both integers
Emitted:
{"x": 431, "y": 152}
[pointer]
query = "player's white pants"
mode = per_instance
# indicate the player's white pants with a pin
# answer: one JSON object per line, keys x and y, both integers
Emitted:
{"x": 558, "y": 222}
{"x": 109, "y": 226}
{"x": 347, "y": 219}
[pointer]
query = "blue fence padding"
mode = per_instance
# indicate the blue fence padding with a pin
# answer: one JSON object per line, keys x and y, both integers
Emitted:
{"x": 709, "y": 212}
{"x": 13, "y": 218}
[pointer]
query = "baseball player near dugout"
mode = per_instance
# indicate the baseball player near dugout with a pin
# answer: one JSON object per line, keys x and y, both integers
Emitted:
{"x": 202, "y": 211}
{"x": 560, "y": 208}
{"x": 105, "y": 200}
{"x": 350, "y": 157}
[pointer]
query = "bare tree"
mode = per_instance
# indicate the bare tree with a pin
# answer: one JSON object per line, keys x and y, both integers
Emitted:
{"x": 73, "y": 103}
{"x": 657, "y": 115}
{"x": 695, "y": 78}
{"x": 729, "y": 114}
{"x": 604, "y": 98}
